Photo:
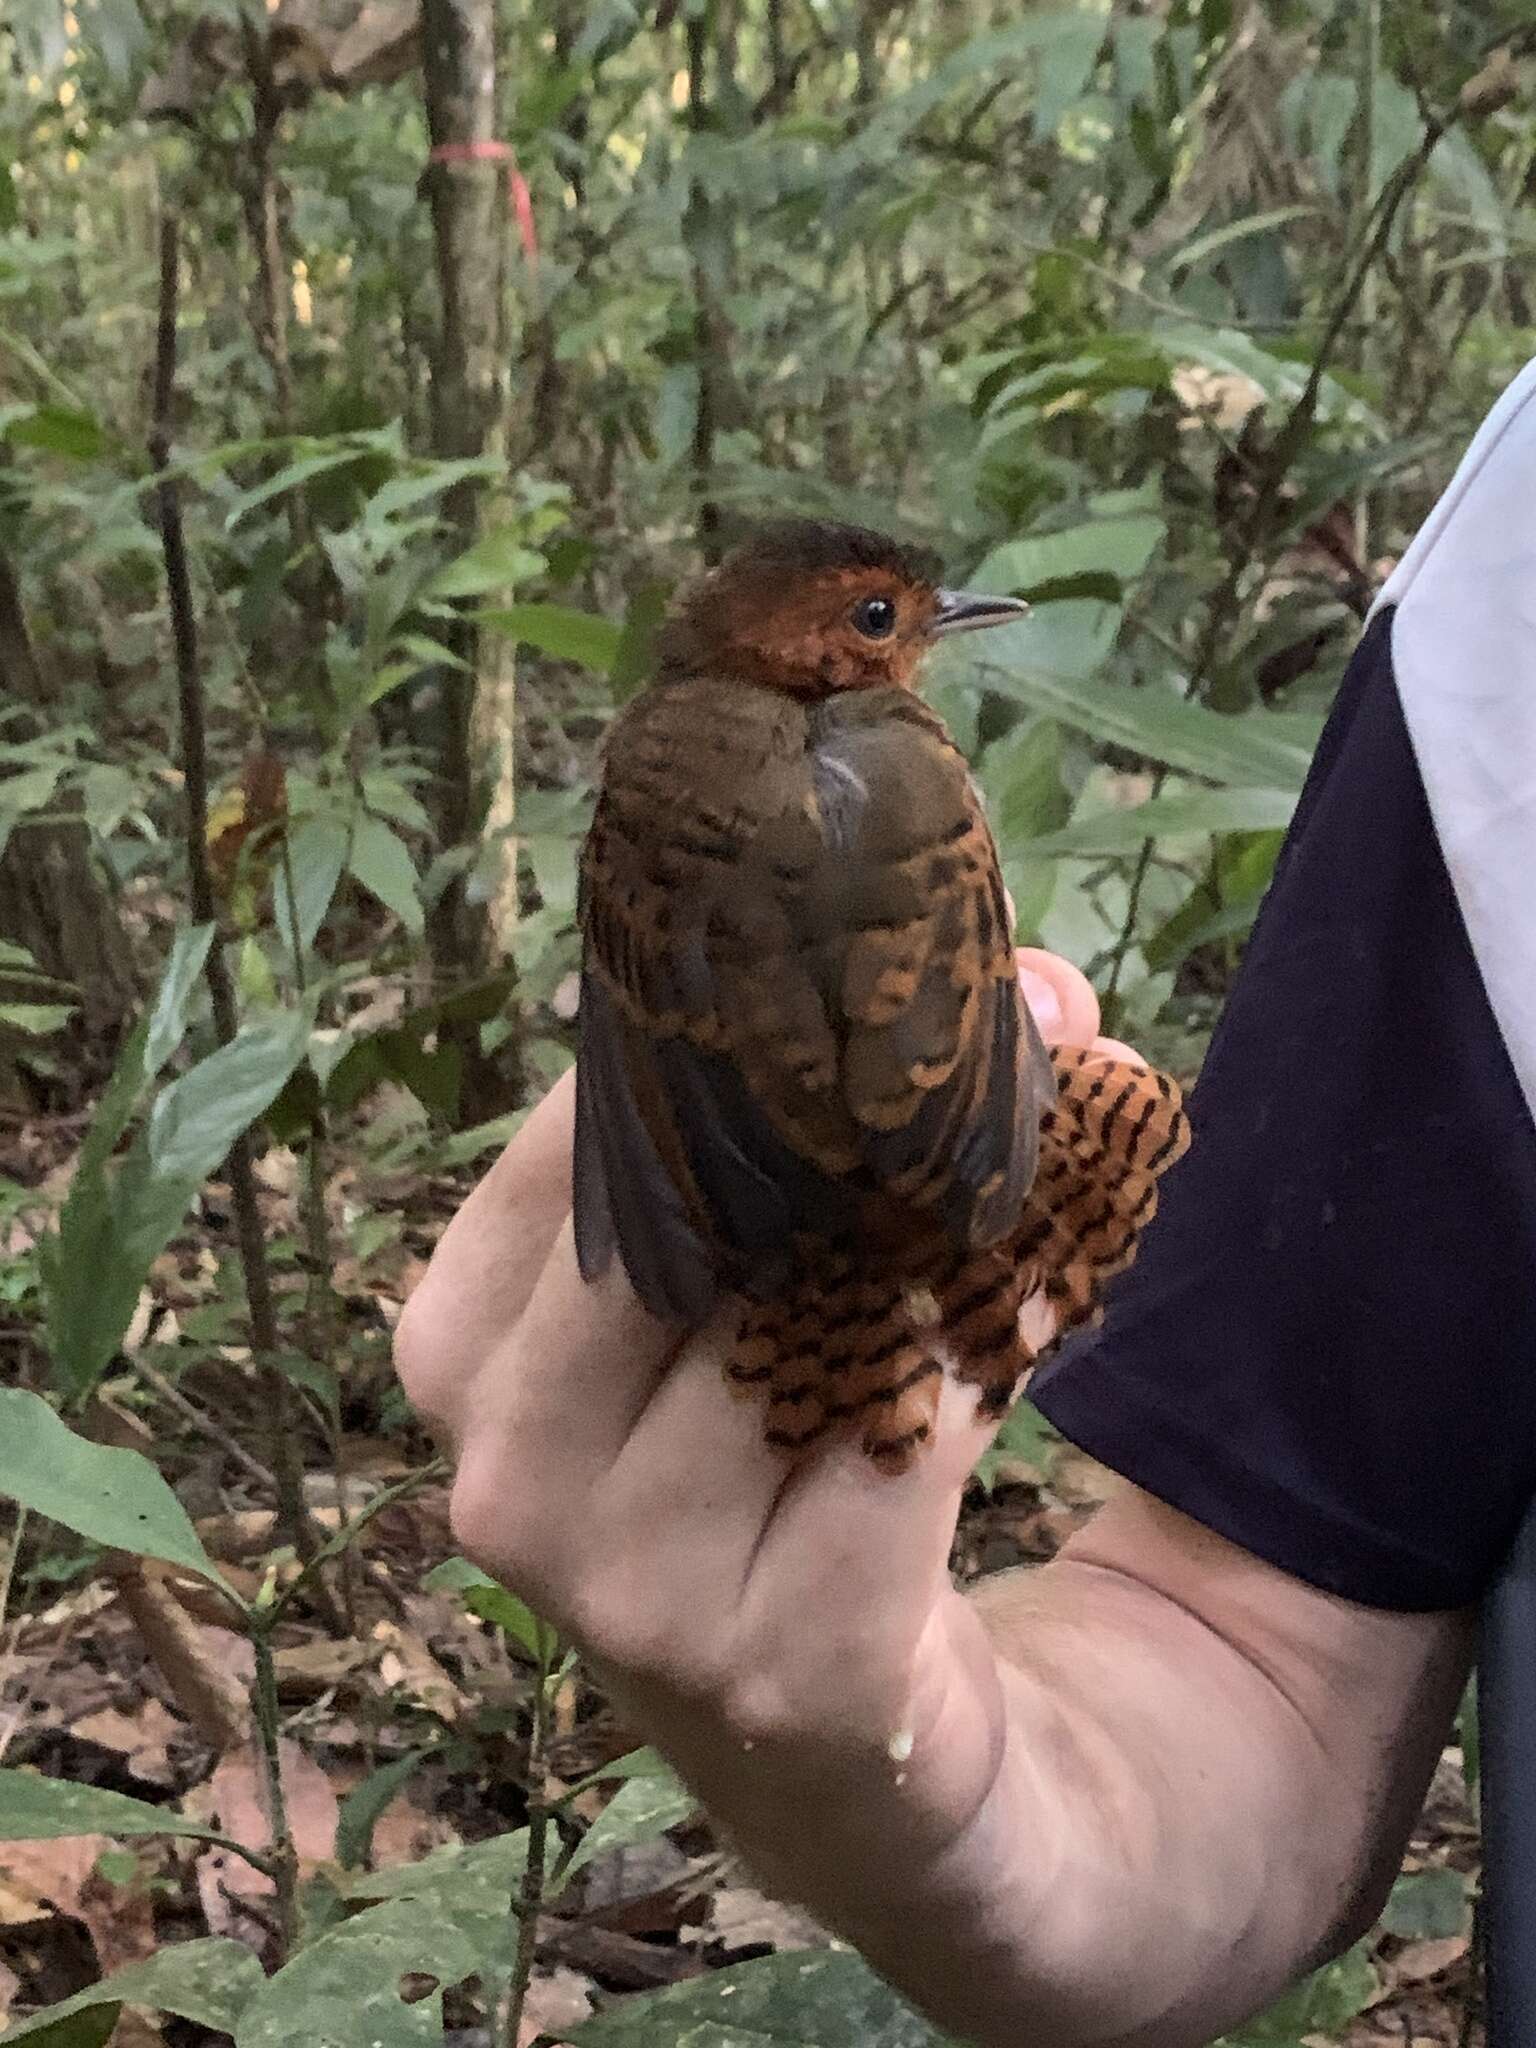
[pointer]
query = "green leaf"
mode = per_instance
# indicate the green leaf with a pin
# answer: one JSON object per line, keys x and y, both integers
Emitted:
{"x": 492, "y": 1602}
{"x": 208, "y": 1982}
{"x": 1120, "y": 547}
{"x": 108, "y": 1495}
{"x": 62, "y": 431}
{"x": 381, "y": 861}
{"x": 92, "y": 2028}
{"x": 1244, "y": 751}
{"x": 785, "y": 2001}
{"x": 168, "y": 1018}
{"x": 445, "y": 1917}
{"x": 36, "y": 1019}
{"x": 198, "y": 1117}
{"x": 402, "y": 492}
{"x": 642, "y": 1809}
{"x": 317, "y": 853}
{"x": 38, "y": 1809}
{"x": 12, "y": 955}
{"x": 363, "y": 1805}
{"x": 1170, "y": 817}
{"x": 1324, "y": 2004}
{"x": 288, "y": 478}
{"x": 1428, "y": 1905}
{"x": 561, "y": 631}
{"x": 497, "y": 560}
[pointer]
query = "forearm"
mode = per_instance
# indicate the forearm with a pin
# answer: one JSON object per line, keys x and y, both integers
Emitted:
{"x": 1158, "y": 1838}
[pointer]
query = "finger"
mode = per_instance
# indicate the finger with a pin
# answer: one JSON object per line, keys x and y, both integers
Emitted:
{"x": 1116, "y": 1049}
{"x": 1062, "y": 999}
{"x": 558, "y": 1395}
{"x": 489, "y": 1259}
{"x": 854, "y": 1540}
{"x": 700, "y": 1447}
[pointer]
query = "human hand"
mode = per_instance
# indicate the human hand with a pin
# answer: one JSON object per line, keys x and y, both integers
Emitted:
{"x": 791, "y": 1638}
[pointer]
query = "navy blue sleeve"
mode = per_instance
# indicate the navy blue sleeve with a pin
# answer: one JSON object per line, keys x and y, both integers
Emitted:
{"x": 1326, "y": 1351}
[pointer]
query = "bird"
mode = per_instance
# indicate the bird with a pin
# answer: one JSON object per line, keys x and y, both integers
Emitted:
{"x": 807, "y": 1079}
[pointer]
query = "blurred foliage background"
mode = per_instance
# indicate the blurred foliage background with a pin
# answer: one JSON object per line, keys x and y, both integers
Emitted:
{"x": 371, "y": 372}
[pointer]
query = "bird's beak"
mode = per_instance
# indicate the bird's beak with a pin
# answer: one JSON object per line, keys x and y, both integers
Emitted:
{"x": 965, "y": 611}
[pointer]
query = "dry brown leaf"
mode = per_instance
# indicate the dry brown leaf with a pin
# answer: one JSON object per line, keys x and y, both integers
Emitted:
{"x": 403, "y": 1833}
{"x": 41, "y": 1879}
{"x": 740, "y": 1916}
{"x": 52, "y": 1874}
{"x": 558, "y": 2001}
{"x": 1421, "y": 1960}
{"x": 409, "y": 1666}
{"x": 235, "y": 1897}
{"x": 306, "y": 1670}
{"x": 143, "y": 1737}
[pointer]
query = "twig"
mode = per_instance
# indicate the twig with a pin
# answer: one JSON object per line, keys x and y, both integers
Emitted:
{"x": 349, "y": 1529}
{"x": 284, "y": 1446}
{"x": 204, "y": 1423}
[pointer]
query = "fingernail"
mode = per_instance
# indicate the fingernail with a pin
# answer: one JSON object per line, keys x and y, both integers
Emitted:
{"x": 1043, "y": 1001}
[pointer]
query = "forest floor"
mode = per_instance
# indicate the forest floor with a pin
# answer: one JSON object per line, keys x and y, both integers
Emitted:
{"x": 118, "y": 1675}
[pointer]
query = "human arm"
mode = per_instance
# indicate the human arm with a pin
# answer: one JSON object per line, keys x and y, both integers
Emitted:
{"x": 1147, "y": 1784}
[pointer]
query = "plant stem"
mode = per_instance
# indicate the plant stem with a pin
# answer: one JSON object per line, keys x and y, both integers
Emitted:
{"x": 530, "y": 1895}
{"x": 283, "y": 1855}
{"x": 284, "y": 1448}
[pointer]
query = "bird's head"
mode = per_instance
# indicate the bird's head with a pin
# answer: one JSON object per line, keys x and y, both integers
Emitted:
{"x": 811, "y": 609}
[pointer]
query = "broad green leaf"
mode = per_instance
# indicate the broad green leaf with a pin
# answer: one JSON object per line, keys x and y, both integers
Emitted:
{"x": 38, "y": 1809}
{"x": 497, "y": 560}
{"x": 447, "y": 1917}
{"x": 1203, "y": 247}
{"x": 208, "y": 1982}
{"x": 92, "y": 2028}
{"x": 1241, "y": 873}
{"x": 12, "y": 955}
{"x": 288, "y": 478}
{"x": 36, "y": 1019}
{"x": 558, "y": 629}
{"x": 1237, "y": 750}
{"x": 1428, "y": 1905}
{"x": 317, "y": 852}
{"x": 62, "y": 431}
{"x": 363, "y": 1805}
{"x": 198, "y": 1117}
{"x": 380, "y": 859}
{"x": 641, "y": 1809}
{"x": 168, "y": 1018}
{"x": 110, "y": 1496}
{"x": 492, "y": 1602}
{"x": 1120, "y": 547}
{"x": 1324, "y": 2004}
{"x": 786, "y": 2001}
{"x": 1170, "y": 817}
{"x": 402, "y": 492}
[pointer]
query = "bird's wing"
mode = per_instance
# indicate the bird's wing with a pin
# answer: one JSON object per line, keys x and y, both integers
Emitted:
{"x": 798, "y": 990}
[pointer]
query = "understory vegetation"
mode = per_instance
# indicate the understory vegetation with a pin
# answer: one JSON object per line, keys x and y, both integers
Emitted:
{"x": 371, "y": 371}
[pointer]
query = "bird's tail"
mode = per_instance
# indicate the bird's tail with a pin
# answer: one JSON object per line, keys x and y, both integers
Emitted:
{"x": 859, "y": 1347}
{"x": 1114, "y": 1129}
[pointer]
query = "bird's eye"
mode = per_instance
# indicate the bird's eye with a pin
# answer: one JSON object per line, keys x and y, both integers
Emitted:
{"x": 875, "y": 618}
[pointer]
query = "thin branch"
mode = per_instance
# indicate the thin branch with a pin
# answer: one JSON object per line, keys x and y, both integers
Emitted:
{"x": 283, "y": 1441}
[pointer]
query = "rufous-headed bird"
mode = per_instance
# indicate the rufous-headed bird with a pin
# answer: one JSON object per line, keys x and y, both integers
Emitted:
{"x": 807, "y": 1075}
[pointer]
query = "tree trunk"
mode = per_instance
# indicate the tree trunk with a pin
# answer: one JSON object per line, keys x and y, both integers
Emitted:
{"x": 53, "y": 899}
{"x": 467, "y": 183}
